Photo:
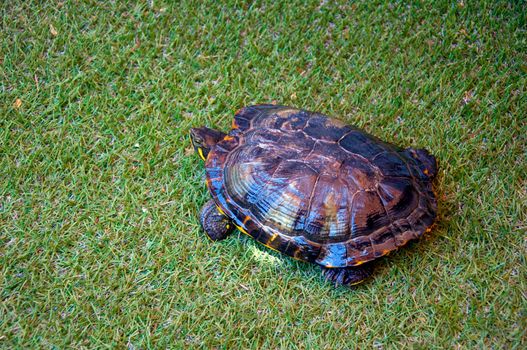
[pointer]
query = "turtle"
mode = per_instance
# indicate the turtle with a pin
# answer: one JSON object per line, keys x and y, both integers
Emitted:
{"x": 315, "y": 189}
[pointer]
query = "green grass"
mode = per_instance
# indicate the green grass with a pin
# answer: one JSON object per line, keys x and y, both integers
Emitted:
{"x": 100, "y": 244}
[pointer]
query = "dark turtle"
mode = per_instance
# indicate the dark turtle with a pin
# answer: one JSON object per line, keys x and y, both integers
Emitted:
{"x": 315, "y": 188}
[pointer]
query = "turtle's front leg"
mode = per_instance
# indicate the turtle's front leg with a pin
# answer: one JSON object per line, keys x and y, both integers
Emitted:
{"x": 216, "y": 225}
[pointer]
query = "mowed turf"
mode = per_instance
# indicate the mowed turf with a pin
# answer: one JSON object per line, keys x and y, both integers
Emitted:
{"x": 100, "y": 245}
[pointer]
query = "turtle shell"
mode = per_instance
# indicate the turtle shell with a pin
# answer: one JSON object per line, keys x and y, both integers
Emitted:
{"x": 317, "y": 189}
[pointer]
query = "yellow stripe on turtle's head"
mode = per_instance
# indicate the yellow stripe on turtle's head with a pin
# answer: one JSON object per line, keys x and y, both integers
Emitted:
{"x": 201, "y": 155}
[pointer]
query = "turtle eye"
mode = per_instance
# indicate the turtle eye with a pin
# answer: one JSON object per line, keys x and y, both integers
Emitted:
{"x": 196, "y": 141}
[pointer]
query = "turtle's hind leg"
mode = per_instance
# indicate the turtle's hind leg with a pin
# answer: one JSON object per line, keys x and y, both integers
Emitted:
{"x": 216, "y": 225}
{"x": 347, "y": 276}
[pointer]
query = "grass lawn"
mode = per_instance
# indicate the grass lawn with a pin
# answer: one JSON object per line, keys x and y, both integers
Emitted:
{"x": 100, "y": 245}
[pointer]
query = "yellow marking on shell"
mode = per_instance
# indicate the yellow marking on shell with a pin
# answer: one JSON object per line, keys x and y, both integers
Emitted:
{"x": 359, "y": 263}
{"x": 270, "y": 241}
{"x": 234, "y": 125}
{"x": 427, "y": 173}
{"x": 228, "y": 138}
{"x": 273, "y": 237}
{"x": 268, "y": 246}
{"x": 200, "y": 152}
{"x": 227, "y": 226}
{"x": 242, "y": 230}
{"x": 265, "y": 244}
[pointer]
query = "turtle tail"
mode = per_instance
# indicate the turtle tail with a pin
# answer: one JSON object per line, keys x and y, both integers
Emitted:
{"x": 427, "y": 162}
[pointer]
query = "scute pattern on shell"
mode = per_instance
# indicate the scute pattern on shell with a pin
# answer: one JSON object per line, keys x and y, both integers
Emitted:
{"x": 316, "y": 189}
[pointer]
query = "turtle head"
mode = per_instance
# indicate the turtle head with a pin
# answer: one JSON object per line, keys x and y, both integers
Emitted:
{"x": 203, "y": 139}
